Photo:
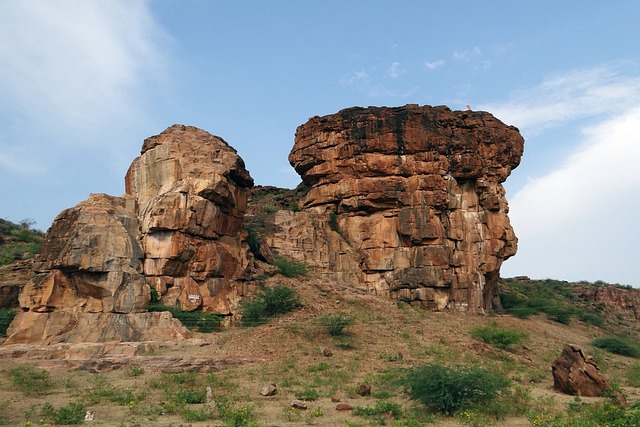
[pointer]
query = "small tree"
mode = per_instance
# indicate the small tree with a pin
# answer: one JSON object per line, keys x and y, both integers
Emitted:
{"x": 335, "y": 324}
{"x": 450, "y": 389}
{"x": 269, "y": 303}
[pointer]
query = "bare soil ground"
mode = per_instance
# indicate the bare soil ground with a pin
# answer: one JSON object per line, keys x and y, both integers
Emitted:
{"x": 297, "y": 353}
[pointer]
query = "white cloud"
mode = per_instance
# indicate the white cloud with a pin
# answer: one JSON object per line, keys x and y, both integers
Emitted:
{"x": 355, "y": 78}
{"x": 579, "y": 221}
{"x": 70, "y": 64}
{"x": 465, "y": 55}
{"x": 395, "y": 70}
{"x": 435, "y": 64}
{"x": 574, "y": 95}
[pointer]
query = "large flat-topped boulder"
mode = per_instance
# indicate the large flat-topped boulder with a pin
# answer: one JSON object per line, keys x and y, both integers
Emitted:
{"x": 416, "y": 192}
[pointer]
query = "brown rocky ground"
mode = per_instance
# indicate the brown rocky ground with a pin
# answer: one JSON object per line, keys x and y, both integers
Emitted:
{"x": 297, "y": 354}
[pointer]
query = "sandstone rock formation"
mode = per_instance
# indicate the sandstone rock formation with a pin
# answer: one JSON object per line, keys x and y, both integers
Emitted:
{"x": 405, "y": 202}
{"x": 178, "y": 229}
{"x": 616, "y": 301}
{"x": 577, "y": 374}
{"x": 192, "y": 190}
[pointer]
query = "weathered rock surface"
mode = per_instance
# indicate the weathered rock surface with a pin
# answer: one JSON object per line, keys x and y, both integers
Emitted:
{"x": 405, "y": 202}
{"x": 192, "y": 190}
{"x": 107, "y": 356}
{"x": 577, "y": 374}
{"x": 618, "y": 302}
{"x": 177, "y": 229}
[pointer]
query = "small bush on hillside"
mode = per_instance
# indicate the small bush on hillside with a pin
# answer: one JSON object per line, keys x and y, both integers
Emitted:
{"x": 194, "y": 320}
{"x": 591, "y": 318}
{"x": 559, "y": 314}
{"x": 381, "y": 410}
{"x": 451, "y": 389}
{"x": 618, "y": 344}
{"x": 236, "y": 417}
{"x": 6, "y": 317}
{"x": 580, "y": 414}
{"x": 499, "y": 337}
{"x": 335, "y": 324}
{"x": 73, "y": 413}
{"x": 290, "y": 268}
{"x": 269, "y": 303}
{"x": 552, "y": 297}
{"x": 30, "y": 380}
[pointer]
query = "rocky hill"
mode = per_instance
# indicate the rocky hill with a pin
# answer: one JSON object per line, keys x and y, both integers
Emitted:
{"x": 385, "y": 260}
{"x": 404, "y": 203}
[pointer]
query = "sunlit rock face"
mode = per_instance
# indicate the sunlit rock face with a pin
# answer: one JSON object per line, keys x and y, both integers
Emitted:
{"x": 177, "y": 228}
{"x": 192, "y": 190}
{"x": 415, "y": 195}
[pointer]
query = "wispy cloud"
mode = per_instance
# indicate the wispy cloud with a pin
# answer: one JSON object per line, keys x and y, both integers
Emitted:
{"x": 355, "y": 78}
{"x": 573, "y": 221}
{"x": 395, "y": 70}
{"x": 362, "y": 81}
{"x": 570, "y": 96}
{"x": 72, "y": 63}
{"x": 435, "y": 64}
{"x": 466, "y": 55}
{"x": 576, "y": 222}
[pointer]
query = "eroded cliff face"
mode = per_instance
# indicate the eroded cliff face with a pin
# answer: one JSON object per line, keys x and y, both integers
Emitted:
{"x": 407, "y": 202}
{"x": 192, "y": 190}
{"x": 178, "y": 229}
{"x": 401, "y": 202}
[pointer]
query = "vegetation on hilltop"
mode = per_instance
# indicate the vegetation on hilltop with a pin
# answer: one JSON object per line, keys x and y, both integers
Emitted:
{"x": 18, "y": 241}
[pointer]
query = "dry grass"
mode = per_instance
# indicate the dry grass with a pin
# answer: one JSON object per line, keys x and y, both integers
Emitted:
{"x": 297, "y": 353}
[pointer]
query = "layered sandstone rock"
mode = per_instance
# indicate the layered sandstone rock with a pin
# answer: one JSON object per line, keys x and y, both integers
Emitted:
{"x": 414, "y": 198}
{"x": 577, "y": 374}
{"x": 178, "y": 229}
{"x": 192, "y": 190}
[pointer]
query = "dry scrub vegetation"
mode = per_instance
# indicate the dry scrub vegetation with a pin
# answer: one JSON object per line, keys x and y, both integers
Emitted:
{"x": 493, "y": 369}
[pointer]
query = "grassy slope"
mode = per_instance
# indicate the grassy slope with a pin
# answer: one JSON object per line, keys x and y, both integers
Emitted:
{"x": 290, "y": 351}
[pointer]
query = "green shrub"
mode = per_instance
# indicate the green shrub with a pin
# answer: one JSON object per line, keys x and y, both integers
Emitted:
{"x": 333, "y": 222}
{"x": 290, "y": 268}
{"x": 252, "y": 239}
{"x": 591, "y": 318}
{"x": 6, "y": 317}
{"x": 194, "y": 320}
{"x": 30, "y": 380}
{"x": 618, "y": 344}
{"x": 580, "y": 414}
{"x": 236, "y": 417}
{"x": 523, "y": 312}
{"x": 73, "y": 413}
{"x": 269, "y": 303}
{"x": 102, "y": 390}
{"x": 379, "y": 411}
{"x": 307, "y": 394}
{"x": 559, "y": 314}
{"x": 335, "y": 324}
{"x": 191, "y": 396}
{"x": 499, "y": 337}
{"x": 194, "y": 415}
{"x": 450, "y": 389}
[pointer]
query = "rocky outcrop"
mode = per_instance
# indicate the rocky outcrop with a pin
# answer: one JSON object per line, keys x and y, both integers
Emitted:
{"x": 192, "y": 190}
{"x": 406, "y": 201}
{"x": 178, "y": 229}
{"x": 615, "y": 301}
{"x": 577, "y": 374}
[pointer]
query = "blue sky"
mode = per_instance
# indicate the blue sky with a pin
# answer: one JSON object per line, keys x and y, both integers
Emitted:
{"x": 83, "y": 82}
